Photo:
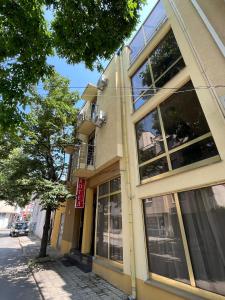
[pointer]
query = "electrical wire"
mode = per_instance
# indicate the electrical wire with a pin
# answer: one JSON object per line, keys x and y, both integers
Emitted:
{"x": 155, "y": 90}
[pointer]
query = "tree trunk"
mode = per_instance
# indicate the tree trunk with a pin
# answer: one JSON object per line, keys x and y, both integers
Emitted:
{"x": 44, "y": 240}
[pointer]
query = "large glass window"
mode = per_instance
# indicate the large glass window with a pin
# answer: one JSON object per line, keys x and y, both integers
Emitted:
{"x": 149, "y": 137}
{"x": 147, "y": 30}
{"x": 201, "y": 213}
{"x": 109, "y": 243}
{"x": 164, "y": 242}
{"x": 186, "y": 139}
{"x": 163, "y": 64}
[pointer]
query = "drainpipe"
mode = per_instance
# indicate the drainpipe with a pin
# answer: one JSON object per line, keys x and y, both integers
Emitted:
{"x": 195, "y": 54}
{"x": 127, "y": 177}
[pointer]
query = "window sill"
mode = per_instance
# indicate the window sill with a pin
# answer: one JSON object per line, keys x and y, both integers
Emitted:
{"x": 191, "y": 167}
{"x": 173, "y": 290}
{"x": 113, "y": 266}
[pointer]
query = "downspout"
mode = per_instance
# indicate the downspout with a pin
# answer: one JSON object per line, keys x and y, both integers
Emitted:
{"x": 196, "y": 55}
{"x": 128, "y": 184}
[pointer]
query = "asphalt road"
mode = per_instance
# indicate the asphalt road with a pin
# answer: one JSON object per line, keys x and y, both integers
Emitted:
{"x": 16, "y": 281}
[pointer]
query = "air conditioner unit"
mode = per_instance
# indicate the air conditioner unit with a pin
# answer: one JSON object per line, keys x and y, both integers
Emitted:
{"x": 102, "y": 83}
{"x": 100, "y": 118}
{"x": 80, "y": 117}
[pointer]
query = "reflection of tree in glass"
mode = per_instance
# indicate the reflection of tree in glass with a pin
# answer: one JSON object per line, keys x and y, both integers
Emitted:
{"x": 146, "y": 80}
{"x": 149, "y": 137}
{"x": 164, "y": 55}
{"x": 178, "y": 129}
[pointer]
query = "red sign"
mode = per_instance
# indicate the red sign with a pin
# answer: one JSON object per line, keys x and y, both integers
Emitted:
{"x": 80, "y": 193}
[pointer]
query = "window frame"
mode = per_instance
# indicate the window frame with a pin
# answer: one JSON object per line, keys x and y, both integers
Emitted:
{"x": 152, "y": 90}
{"x": 168, "y": 152}
{"x": 153, "y": 277}
{"x": 107, "y": 195}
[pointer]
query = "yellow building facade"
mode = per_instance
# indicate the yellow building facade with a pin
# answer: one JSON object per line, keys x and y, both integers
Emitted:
{"x": 151, "y": 147}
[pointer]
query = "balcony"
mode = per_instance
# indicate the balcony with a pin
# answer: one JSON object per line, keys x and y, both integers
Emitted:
{"x": 83, "y": 164}
{"x": 147, "y": 31}
{"x": 85, "y": 124}
{"x": 90, "y": 93}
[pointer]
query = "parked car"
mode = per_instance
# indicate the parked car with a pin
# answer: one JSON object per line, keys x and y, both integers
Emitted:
{"x": 19, "y": 228}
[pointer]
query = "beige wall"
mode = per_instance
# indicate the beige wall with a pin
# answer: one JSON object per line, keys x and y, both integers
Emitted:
{"x": 108, "y": 137}
{"x": 56, "y": 225}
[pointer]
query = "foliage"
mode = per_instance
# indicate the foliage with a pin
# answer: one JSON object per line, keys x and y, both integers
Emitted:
{"x": 25, "y": 43}
{"x": 90, "y": 30}
{"x": 81, "y": 31}
{"x": 36, "y": 164}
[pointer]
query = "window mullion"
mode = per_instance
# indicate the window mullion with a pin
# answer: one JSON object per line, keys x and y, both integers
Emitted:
{"x": 184, "y": 240}
{"x": 96, "y": 223}
{"x": 151, "y": 73}
{"x": 164, "y": 139}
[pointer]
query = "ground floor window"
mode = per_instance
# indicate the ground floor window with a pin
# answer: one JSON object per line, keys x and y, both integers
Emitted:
{"x": 188, "y": 226}
{"x": 109, "y": 243}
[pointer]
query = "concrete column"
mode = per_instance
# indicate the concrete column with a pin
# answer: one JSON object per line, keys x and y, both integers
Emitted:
{"x": 88, "y": 222}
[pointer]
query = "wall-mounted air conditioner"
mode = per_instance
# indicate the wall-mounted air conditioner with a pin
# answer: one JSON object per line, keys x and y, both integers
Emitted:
{"x": 100, "y": 118}
{"x": 102, "y": 83}
{"x": 80, "y": 117}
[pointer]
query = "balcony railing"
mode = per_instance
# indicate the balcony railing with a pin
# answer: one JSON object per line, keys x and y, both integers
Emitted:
{"x": 147, "y": 31}
{"x": 83, "y": 163}
{"x": 85, "y": 119}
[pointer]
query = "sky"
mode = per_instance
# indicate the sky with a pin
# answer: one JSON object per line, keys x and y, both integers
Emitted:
{"x": 78, "y": 74}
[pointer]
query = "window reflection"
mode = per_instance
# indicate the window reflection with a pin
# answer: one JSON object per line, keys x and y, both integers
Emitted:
{"x": 147, "y": 31}
{"x": 165, "y": 54}
{"x": 115, "y": 233}
{"x": 115, "y": 185}
{"x": 203, "y": 212}
{"x": 182, "y": 121}
{"x": 164, "y": 243}
{"x": 154, "y": 168}
{"x": 149, "y": 137}
{"x": 196, "y": 152}
{"x": 109, "y": 242}
{"x": 183, "y": 117}
{"x": 141, "y": 81}
{"x": 103, "y": 189}
{"x": 164, "y": 62}
{"x": 102, "y": 228}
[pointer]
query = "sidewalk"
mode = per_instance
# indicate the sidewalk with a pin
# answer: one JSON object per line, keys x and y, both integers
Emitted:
{"x": 56, "y": 281}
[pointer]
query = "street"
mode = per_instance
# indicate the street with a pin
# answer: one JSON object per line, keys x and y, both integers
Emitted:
{"x": 51, "y": 280}
{"x": 16, "y": 281}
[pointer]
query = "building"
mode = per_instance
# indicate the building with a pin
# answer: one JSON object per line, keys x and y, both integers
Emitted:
{"x": 8, "y": 215}
{"x": 37, "y": 218}
{"x": 151, "y": 149}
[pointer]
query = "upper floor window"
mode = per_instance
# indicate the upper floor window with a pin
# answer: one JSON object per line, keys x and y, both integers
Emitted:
{"x": 174, "y": 135}
{"x": 153, "y": 22}
{"x": 164, "y": 62}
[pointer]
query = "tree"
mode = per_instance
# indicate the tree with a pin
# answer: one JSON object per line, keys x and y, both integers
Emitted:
{"x": 81, "y": 31}
{"x": 38, "y": 166}
{"x": 25, "y": 43}
{"x": 89, "y": 30}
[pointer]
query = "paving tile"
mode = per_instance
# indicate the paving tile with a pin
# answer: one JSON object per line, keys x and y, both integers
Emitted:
{"x": 58, "y": 282}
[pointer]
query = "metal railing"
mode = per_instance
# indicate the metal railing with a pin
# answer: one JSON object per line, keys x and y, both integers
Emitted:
{"x": 87, "y": 114}
{"x": 147, "y": 31}
{"x": 84, "y": 156}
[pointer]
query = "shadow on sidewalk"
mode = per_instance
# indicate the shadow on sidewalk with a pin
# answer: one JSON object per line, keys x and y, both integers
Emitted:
{"x": 57, "y": 281}
{"x": 16, "y": 280}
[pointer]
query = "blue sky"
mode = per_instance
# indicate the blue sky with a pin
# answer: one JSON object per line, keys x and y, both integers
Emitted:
{"x": 78, "y": 74}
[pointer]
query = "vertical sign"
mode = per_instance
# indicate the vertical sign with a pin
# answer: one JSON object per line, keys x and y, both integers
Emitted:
{"x": 80, "y": 193}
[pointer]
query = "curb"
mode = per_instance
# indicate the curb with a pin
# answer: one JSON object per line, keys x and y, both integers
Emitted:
{"x": 31, "y": 270}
